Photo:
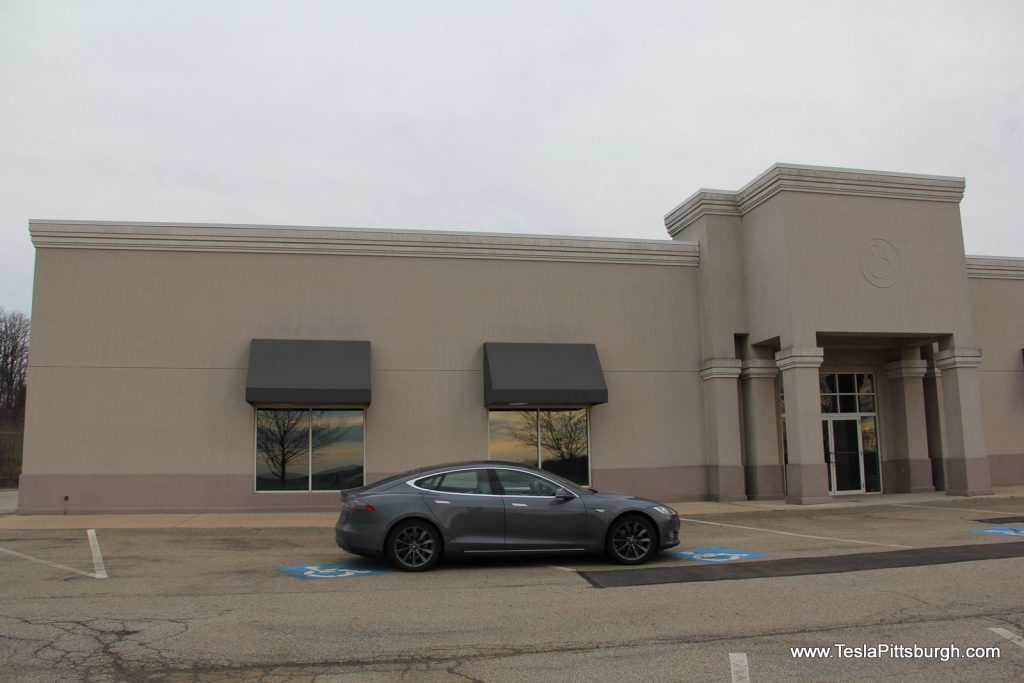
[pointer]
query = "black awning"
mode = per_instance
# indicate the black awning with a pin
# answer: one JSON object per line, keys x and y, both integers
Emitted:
{"x": 308, "y": 372}
{"x": 543, "y": 374}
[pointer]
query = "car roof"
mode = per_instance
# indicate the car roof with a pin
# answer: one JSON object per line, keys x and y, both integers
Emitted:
{"x": 468, "y": 463}
{"x": 396, "y": 479}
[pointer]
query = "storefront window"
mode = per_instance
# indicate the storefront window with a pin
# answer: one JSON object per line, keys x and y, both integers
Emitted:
{"x": 513, "y": 436}
{"x": 556, "y": 440}
{"x": 308, "y": 450}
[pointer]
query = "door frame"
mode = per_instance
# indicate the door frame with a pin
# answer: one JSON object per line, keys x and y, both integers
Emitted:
{"x": 830, "y": 418}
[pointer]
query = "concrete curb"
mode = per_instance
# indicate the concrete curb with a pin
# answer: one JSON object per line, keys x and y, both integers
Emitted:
{"x": 267, "y": 520}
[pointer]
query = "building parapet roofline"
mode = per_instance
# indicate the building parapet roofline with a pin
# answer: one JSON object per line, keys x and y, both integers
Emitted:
{"x": 818, "y": 179}
{"x": 998, "y": 267}
{"x": 144, "y": 236}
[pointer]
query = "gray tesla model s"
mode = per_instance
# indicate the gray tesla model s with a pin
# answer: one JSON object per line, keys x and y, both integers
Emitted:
{"x": 491, "y": 507}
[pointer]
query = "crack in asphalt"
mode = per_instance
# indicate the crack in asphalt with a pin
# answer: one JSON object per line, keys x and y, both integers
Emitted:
{"x": 101, "y": 649}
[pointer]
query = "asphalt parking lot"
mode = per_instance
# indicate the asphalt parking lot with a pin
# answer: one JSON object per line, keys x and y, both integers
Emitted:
{"x": 283, "y": 604}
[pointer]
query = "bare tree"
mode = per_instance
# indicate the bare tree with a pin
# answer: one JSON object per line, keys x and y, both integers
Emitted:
{"x": 563, "y": 433}
{"x": 14, "y": 334}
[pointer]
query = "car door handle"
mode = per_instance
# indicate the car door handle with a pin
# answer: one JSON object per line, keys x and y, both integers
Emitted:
{"x": 519, "y": 505}
{"x": 443, "y": 502}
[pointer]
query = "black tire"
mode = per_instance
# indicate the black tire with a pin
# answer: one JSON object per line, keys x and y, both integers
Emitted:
{"x": 632, "y": 539}
{"x": 413, "y": 546}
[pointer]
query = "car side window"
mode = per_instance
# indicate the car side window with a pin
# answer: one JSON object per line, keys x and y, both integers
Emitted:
{"x": 430, "y": 483}
{"x": 463, "y": 481}
{"x": 518, "y": 483}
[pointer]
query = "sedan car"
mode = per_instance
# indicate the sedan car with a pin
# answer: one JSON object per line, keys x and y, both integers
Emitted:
{"x": 489, "y": 508}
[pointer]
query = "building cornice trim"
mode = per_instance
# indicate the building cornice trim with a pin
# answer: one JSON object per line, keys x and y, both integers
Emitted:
{"x": 756, "y": 368}
{"x": 699, "y": 204}
{"x": 997, "y": 267}
{"x": 963, "y": 357}
{"x": 800, "y": 357}
{"x": 720, "y": 368}
{"x": 52, "y": 234}
{"x": 817, "y": 179}
{"x": 906, "y": 369}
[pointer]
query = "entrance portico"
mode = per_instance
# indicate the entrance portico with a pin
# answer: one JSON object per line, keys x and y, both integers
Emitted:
{"x": 876, "y": 434}
{"x": 839, "y": 291}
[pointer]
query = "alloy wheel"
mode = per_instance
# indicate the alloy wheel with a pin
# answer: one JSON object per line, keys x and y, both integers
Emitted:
{"x": 631, "y": 540}
{"x": 414, "y": 546}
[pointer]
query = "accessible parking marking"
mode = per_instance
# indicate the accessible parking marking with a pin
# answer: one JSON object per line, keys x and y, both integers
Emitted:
{"x": 790, "y": 533}
{"x": 99, "y": 570}
{"x": 341, "y": 570}
{"x": 1000, "y": 531}
{"x": 716, "y": 555}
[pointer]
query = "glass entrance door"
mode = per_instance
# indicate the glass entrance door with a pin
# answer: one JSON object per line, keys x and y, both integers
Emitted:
{"x": 849, "y": 429}
{"x": 842, "y": 445}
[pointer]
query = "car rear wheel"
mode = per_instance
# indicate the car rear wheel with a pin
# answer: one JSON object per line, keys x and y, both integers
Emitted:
{"x": 413, "y": 546}
{"x": 631, "y": 540}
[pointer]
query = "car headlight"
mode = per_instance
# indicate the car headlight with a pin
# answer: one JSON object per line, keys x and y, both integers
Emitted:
{"x": 668, "y": 512}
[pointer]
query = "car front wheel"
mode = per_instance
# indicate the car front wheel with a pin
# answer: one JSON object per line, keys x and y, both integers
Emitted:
{"x": 631, "y": 540}
{"x": 414, "y": 546}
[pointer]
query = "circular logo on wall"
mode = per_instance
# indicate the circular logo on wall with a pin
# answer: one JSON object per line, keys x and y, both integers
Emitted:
{"x": 880, "y": 263}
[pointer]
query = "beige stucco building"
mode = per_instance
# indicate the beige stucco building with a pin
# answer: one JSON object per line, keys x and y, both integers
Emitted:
{"x": 818, "y": 332}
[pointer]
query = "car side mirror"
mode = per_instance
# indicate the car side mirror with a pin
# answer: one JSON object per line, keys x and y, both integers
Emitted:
{"x": 564, "y": 494}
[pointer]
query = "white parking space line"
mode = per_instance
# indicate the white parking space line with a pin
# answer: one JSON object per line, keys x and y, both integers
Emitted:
{"x": 564, "y": 569}
{"x": 790, "y": 533}
{"x": 739, "y": 667}
{"x": 1009, "y": 635}
{"x": 47, "y": 563}
{"x": 97, "y": 557}
{"x": 99, "y": 570}
{"x": 952, "y": 509}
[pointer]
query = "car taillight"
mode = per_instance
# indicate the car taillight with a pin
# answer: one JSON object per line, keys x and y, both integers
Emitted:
{"x": 368, "y": 508}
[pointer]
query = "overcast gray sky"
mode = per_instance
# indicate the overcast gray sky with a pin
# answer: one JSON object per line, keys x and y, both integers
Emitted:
{"x": 557, "y": 116}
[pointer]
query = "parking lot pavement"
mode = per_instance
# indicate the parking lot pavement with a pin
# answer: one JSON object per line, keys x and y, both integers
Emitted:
{"x": 244, "y": 604}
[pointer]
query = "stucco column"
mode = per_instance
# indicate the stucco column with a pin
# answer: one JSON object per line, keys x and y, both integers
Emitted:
{"x": 933, "y": 416}
{"x": 761, "y": 429}
{"x": 909, "y": 470}
{"x": 806, "y": 471}
{"x": 967, "y": 471}
{"x": 721, "y": 410}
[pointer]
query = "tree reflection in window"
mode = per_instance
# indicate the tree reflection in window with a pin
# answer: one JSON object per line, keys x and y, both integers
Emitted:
{"x": 559, "y": 439}
{"x": 285, "y": 443}
{"x": 282, "y": 443}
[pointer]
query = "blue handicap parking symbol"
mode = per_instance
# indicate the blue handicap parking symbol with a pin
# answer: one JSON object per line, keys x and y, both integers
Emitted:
{"x": 716, "y": 555}
{"x": 342, "y": 570}
{"x": 1001, "y": 531}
